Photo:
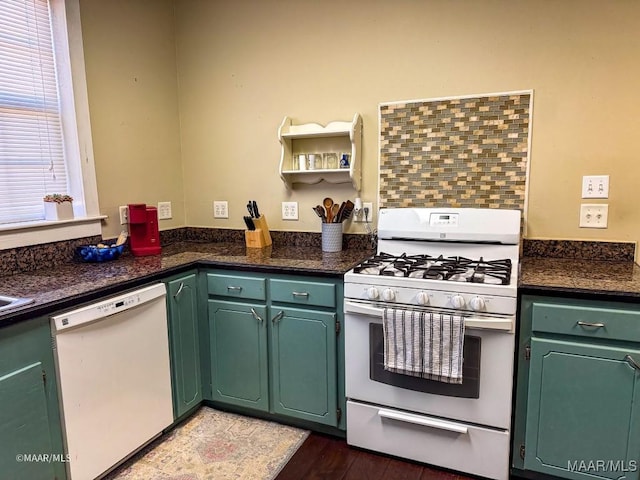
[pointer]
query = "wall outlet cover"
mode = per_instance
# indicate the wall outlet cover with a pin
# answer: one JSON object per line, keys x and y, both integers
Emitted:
{"x": 124, "y": 214}
{"x": 594, "y": 215}
{"x": 220, "y": 209}
{"x": 289, "y": 210}
{"x": 164, "y": 210}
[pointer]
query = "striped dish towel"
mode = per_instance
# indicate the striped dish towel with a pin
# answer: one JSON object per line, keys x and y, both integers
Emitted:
{"x": 423, "y": 344}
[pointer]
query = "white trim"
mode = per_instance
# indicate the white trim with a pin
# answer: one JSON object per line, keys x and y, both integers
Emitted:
{"x": 81, "y": 103}
{"x": 525, "y": 206}
{"x": 34, "y": 233}
{"x": 78, "y": 141}
{"x": 457, "y": 97}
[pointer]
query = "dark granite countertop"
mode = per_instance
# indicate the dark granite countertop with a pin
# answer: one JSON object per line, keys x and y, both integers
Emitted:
{"x": 71, "y": 284}
{"x": 610, "y": 280}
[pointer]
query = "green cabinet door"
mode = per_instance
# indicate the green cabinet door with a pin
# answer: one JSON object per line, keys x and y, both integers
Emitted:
{"x": 30, "y": 430}
{"x": 24, "y": 423}
{"x": 303, "y": 364}
{"x": 583, "y": 410}
{"x": 239, "y": 359}
{"x": 182, "y": 299}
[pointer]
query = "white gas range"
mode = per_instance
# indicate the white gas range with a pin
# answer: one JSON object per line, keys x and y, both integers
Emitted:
{"x": 441, "y": 262}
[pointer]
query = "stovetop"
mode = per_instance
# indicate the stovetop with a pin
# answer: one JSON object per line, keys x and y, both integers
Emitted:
{"x": 437, "y": 281}
{"x": 448, "y": 258}
{"x": 447, "y": 268}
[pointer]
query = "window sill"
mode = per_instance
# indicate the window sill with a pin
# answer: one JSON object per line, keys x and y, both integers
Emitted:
{"x": 34, "y": 233}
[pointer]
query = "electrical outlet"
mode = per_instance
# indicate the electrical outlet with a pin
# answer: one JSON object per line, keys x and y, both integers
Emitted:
{"x": 220, "y": 209}
{"x": 594, "y": 215}
{"x": 595, "y": 186}
{"x": 164, "y": 210}
{"x": 290, "y": 210}
{"x": 124, "y": 215}
{"x": 367, "y": 211}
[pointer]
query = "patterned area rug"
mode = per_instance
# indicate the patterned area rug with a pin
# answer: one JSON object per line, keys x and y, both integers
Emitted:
{"x": 216, "y": 445}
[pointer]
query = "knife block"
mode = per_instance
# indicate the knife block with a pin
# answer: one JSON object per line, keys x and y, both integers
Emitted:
{"x": 260, "y": 237}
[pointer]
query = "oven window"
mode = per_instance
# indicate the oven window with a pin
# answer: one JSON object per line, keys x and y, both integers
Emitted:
{"x": 469, "y": 388}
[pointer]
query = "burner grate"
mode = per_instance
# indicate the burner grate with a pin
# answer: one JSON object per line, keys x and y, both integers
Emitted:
{"x": 427, "y": 267}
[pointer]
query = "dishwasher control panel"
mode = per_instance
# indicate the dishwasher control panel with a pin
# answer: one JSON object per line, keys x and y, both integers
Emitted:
{"x": 114, "y": 306}
{"x": 105, "y": 308}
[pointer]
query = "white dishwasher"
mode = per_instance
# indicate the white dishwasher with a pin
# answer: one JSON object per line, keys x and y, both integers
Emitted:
{"x": 112, "y": 361}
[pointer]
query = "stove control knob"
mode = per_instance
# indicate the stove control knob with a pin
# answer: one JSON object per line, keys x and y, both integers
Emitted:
{"x": 423, "y": 298}
{"x": 457, "y": 301}
{"x": 388, "y": 295}
{"x": 372, "y": 293}
{"x": 477, "y": 304}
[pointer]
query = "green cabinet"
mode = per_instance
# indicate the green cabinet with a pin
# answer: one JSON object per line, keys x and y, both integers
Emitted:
{"x": 275, "y": 344}
{"x": 30, "y": 428}
{"x": 578, "y": 391}
{"x": 303, "y": 364}
{"x": 239, "y": 358}
{"x": 184, "y": 325}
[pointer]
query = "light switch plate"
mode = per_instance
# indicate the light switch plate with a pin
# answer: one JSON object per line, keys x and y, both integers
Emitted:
{"x": 595, "y": 186}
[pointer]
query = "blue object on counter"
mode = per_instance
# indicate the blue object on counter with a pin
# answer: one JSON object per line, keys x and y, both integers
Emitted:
{"x": 92, "y": 253}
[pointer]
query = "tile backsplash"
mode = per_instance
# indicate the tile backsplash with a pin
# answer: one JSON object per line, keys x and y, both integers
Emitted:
{"x": 455, "y": 152}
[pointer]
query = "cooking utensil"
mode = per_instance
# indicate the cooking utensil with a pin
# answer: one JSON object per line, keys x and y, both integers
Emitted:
{"x": 348, "y": 209}
{"x": 328, "y": 205}
{"x": 249, "y": 223}
{"x": 250, "y": 208}
{"x": 256, "y": 212}
{"x": 320, "y": 212}
{"x": 334, "y": 212}
{"x": 340, "y": 214}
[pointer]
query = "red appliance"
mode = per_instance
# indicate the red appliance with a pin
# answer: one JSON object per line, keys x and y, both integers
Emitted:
{"x": 144, "y": 237}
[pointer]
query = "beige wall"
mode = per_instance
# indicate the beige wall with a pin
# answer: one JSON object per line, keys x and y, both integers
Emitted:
{"x": 243, "y": 65}
{"x": 130, "y": 59}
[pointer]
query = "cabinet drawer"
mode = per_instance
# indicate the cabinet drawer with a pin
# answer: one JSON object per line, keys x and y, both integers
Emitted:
{"x": 586, "y": 321}
{"x": 236, "y": 286}
{"x": 449, "y": 444}
{"x": 303, "y": 293}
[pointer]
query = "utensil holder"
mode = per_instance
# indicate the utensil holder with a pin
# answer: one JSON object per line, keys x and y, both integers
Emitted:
{"x": 332, "y": 237}
{"x": 260, "y": 237}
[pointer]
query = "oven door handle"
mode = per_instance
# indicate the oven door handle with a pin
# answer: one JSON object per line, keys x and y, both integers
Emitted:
{"x": 423, "y": 421}
{"x": 488, "y": 323}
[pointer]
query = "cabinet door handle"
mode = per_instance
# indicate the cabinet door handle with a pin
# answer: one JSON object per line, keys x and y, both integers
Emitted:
{"x": 632, "y": 362}
{"x": 589, "y": 324}
{"x": 278, "y": 317}
{"x": 256, "y": 316}
{"x": 234, "y": 288}
{"x": 300, "y": 294}
{"x": 179, "y": 290}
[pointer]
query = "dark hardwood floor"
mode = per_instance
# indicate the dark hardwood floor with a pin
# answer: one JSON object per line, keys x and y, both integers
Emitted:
{"x": 330, "y": 458}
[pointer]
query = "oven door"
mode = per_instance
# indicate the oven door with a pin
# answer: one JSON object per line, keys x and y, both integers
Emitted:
{"x": 484, "y": 397}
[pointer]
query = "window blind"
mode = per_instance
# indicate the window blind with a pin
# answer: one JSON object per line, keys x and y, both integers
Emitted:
{"x": 32, "y": 162}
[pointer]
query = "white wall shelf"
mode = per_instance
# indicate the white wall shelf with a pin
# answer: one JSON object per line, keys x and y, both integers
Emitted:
{"x": 336, "y": 137}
